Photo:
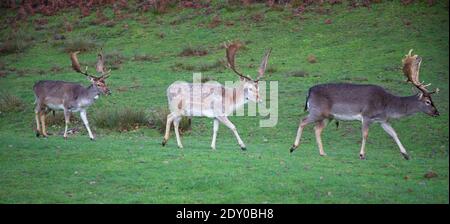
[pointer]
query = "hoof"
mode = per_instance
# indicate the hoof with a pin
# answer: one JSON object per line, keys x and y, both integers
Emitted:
{"x": 323, "y": 154}
{"x": 92, "y": 139}
{"x": 406, "y": 156}
{"x": 292, "y": 149}
{"x": 38, "y": 134}
{"x": 362, "y": 157}
{"x": 180, "y": 147}
{"x": 163, "y": 143}
{"x": 243, "y": 148}
{"x": 65, "y": 137}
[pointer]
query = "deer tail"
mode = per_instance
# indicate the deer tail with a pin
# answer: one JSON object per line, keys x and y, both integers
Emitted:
{"x": 307, "y": 98}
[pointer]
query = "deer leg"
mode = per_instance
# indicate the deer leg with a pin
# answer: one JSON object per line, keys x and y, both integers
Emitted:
{"x": 215, "y": 129}
{"x": 38, "y": 128}
{"x": 388, "y": 128}
{"x": 365, "y": 135}
{"x": 42, "y": 117}
{"x": 67, "y": 120}
{"x": 168, "y": 123}
{"x": 318, "y": 130}
{"x": 176, "y": 125}
{"x": 86, "y": 123}
{"x": 231, "y": 126}
{"x": 301, "y": 126}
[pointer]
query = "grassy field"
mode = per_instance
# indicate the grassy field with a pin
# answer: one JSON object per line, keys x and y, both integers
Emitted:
{"x": 360, "y": 45}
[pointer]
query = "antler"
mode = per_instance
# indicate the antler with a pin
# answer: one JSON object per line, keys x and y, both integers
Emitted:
{"x": 76, "y": 65}
{"x": 100, "y": 67}
{"x": 231, "y": 49}
{"x": 262, "y": 67}
{"x": 411, "y": 68}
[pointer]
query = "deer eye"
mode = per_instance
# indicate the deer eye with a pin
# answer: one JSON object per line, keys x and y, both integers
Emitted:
{"x": 427, "y": 102}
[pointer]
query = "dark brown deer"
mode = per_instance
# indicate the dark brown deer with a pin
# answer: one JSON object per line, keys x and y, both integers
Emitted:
{"x": 69, "y": 96}
{"x": 366, "y": 103}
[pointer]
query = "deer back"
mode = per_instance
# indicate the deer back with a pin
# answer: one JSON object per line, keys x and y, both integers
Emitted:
{"x": 206, "y": 99}
{"x": 348, "y": 100}
{"x": 60, "y": 94}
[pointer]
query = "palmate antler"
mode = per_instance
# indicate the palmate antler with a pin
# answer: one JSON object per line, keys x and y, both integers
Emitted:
{"x": 232, "y": 48}
{"x": 411, "y": 68}
{"x": 263, "y": 66}
{"x": 100, "y": 68}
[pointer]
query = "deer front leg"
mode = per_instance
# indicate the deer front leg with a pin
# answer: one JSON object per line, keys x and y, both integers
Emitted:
{"x": 86, "y": 123}
{"x": 318, "y": 130}
{"x": 176, "y": 126}
{"x": 388, "y": 128}
{"x": 168, "y": 123}
{"x": 215, "y": 129}
{"x": 365, "y": 135}
{"x": 67, "y": 120}
{"x": 301, "y": 126}
{"x": 231, "y": 126}
{"x": 42, "y": 117}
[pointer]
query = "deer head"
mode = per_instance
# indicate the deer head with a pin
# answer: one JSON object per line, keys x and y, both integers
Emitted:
{"x": 251, "y": 89}
{"x": 411, "y": 68}
{"x": 98, "y": 81}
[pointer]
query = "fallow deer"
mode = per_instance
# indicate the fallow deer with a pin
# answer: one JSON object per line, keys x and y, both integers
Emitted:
{"x": 213, "y": 99}
{"x": 366, "y": 103}
{"x": 69, "y": 96}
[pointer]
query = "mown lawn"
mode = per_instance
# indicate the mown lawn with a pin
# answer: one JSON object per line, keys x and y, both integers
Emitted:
{"x": 359, "y": 45}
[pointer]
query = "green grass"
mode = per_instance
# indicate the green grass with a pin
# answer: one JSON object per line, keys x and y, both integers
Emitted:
{"x": 360, "y": 46}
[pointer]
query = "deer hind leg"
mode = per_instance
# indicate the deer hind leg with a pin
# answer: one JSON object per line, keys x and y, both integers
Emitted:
{"x": 215, "y": 129}
{"x": 38, "y": 128}
{"x": 67, "y": 120}
{"x": 42, "y": 118}
{"x": 301, "y": 126}
{"x": 231, "y": 126}
{"x": 388, "y": 128}
{"x": 318, "y": 131}
{"x": 176, "y": 126}
{"x": 170, "y": 118}
{"x": 365, "y": 135}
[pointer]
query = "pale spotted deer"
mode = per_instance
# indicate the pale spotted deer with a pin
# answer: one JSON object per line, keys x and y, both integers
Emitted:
{"x": 69, "y": 96}
{"x": 213, "y": 99}
{"x": 366, "y": 103}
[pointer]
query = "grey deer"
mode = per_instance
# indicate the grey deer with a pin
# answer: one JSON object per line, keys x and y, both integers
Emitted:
{"x": 212, "y": 99}
{"x": 69, "y": 96}
{"x": 366, "y": 103}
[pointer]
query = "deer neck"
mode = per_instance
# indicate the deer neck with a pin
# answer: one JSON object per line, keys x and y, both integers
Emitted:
{"x": 93, "y": 92}
{"x": 404, "y": 106}
{"x": 236, "y": 98}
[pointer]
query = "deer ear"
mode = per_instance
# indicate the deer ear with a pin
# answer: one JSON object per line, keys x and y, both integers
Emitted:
{"x": 420, "y": 95}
